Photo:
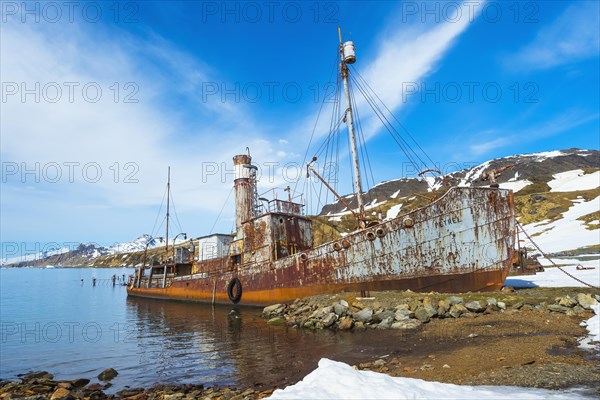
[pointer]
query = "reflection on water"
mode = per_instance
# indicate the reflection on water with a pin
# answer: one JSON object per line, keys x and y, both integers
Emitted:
{"x": 156, "y": 341}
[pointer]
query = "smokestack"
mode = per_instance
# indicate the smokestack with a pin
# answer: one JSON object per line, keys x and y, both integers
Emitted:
{"x": 244, "y": 190}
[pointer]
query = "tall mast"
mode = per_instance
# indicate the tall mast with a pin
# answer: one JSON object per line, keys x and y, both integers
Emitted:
{"x": 168, "y": 198}
{"x": 353, "y": 148}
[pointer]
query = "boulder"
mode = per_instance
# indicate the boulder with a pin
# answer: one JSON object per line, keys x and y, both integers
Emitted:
{"x": 566, "y": 301}
{"x": 61, "y": 394}
{"x": 430, "y": 309}
{"x": 452, "y": 300}
{"x": 403, "y": 314}
{"x": 107, "y": 374}
{"x": 380, "y": 316}
{"x": 340, "y": 309}
{"x": 443, "y": 307}
{"x": 379, "y": 363}
{"x": 558, "y": 308}
{"x": 586, "y": 301}
{"x": 475, "y": 306}
{"x": 345, "y": 323}
{"x": 363, "y": 315}
{"x": 422, "y": 315}
{"x": 502, "y": 305}
{"x": 386, "y": 323}
{"x": 457, "y": 310}
{"x": 408, "y": 324}
{"x": 79, "y": 383}
{"x": 344, "y": 303}
{"x": 273, "y": 309}
{"x": 329, "y": 320}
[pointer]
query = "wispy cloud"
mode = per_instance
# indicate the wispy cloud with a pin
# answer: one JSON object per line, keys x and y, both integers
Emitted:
{"x": 572, "y": 37}
{"x": 495, "y": 139}
{"x": 151, "y": 133}
{"x": 406, "y": 54}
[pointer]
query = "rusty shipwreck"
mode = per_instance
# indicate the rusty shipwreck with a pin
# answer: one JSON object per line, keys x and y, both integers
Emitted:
{"x": 462, "y": 241}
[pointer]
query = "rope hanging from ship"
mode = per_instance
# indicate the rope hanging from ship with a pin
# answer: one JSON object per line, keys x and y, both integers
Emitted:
{"x": 551, "y": 261}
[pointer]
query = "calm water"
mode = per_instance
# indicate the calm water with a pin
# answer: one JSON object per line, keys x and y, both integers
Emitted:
{"x": 52, "y": 320}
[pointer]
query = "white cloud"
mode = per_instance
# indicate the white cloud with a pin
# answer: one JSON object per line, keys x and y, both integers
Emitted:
{"x": 489, "y": 140}
{"x": 573, "y": 36}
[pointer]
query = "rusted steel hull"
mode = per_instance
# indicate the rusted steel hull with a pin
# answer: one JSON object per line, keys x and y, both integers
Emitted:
{"x": 462, "y": 242}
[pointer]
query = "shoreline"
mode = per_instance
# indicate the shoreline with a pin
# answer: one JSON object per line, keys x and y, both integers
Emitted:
{"x": 532, "y": 342}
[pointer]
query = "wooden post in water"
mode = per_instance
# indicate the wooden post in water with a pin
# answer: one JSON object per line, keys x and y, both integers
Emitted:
{"x": 214, "y": 290}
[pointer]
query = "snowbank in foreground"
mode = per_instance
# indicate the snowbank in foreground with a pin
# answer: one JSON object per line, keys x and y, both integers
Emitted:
{"x": 336, "y": 380}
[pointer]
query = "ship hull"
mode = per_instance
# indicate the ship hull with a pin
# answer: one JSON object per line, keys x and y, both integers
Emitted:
{"x": 462, "y": 242}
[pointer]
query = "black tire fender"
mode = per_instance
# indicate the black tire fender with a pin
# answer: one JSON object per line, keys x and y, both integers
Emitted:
{"x": 234, "y": 295}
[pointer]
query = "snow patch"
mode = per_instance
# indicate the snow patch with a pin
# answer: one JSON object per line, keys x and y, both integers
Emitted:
{"x": 554, "y": 277}
{"x": 515, "y": 186}
{"x": 395, "y": 194}
{"x": 337, "y": 380}
{"x": 593, "y": 327}
{"x": 393, "y": 211}
{"x": 574, "y": 180}
{"x": 566, "y": 233}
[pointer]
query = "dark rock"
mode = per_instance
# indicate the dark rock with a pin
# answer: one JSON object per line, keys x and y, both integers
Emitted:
{"x": 475, "y": 306}
{"x": 329, "y": 320}
{"x": 108, "y": 374}
{"x": 363, "y": 315}
{"x": 79, "y": 383}
{"x": 457, "y": 310}
{"x": 130, "y": 392}
{"x": 422, "y": 315}
{"x": 386, "y": 323}
{"x": 37, "y": 375}
{"x": 452, "y": 300}
{"x": 273, "y": 309}
{"x": 557, "y": 308}
{"x": 339, "y": 309}
{"x": 403, "y": 314}
{"x": 380, "y": 316}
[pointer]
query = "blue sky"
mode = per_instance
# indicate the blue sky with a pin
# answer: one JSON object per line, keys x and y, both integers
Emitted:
{"x": 98, "y": 98}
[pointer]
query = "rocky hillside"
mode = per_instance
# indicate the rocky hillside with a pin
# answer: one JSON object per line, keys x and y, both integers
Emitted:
{"x": 556, "y": 198}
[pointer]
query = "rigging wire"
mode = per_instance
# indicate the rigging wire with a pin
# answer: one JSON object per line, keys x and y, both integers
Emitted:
{"x": 220, "y": 212}
{"x": 408, "y": 151}
{"x": 159, "y": 212}
{"x": 317, "y": 120}
{"x": 393, "y": 116}
{"x": 175, "y": 212}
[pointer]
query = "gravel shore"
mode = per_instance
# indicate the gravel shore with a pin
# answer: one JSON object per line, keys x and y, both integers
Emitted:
{"x": 518, "y": 338}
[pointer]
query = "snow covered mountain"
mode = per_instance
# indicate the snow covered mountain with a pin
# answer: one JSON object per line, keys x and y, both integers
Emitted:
{"x": 557, "y": 196}
{"x": 557, "y": 200}
{"x": 82, "y": 254}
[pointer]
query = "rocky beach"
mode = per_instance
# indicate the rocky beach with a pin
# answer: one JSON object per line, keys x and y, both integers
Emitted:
{"x": 529, "y": 338}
